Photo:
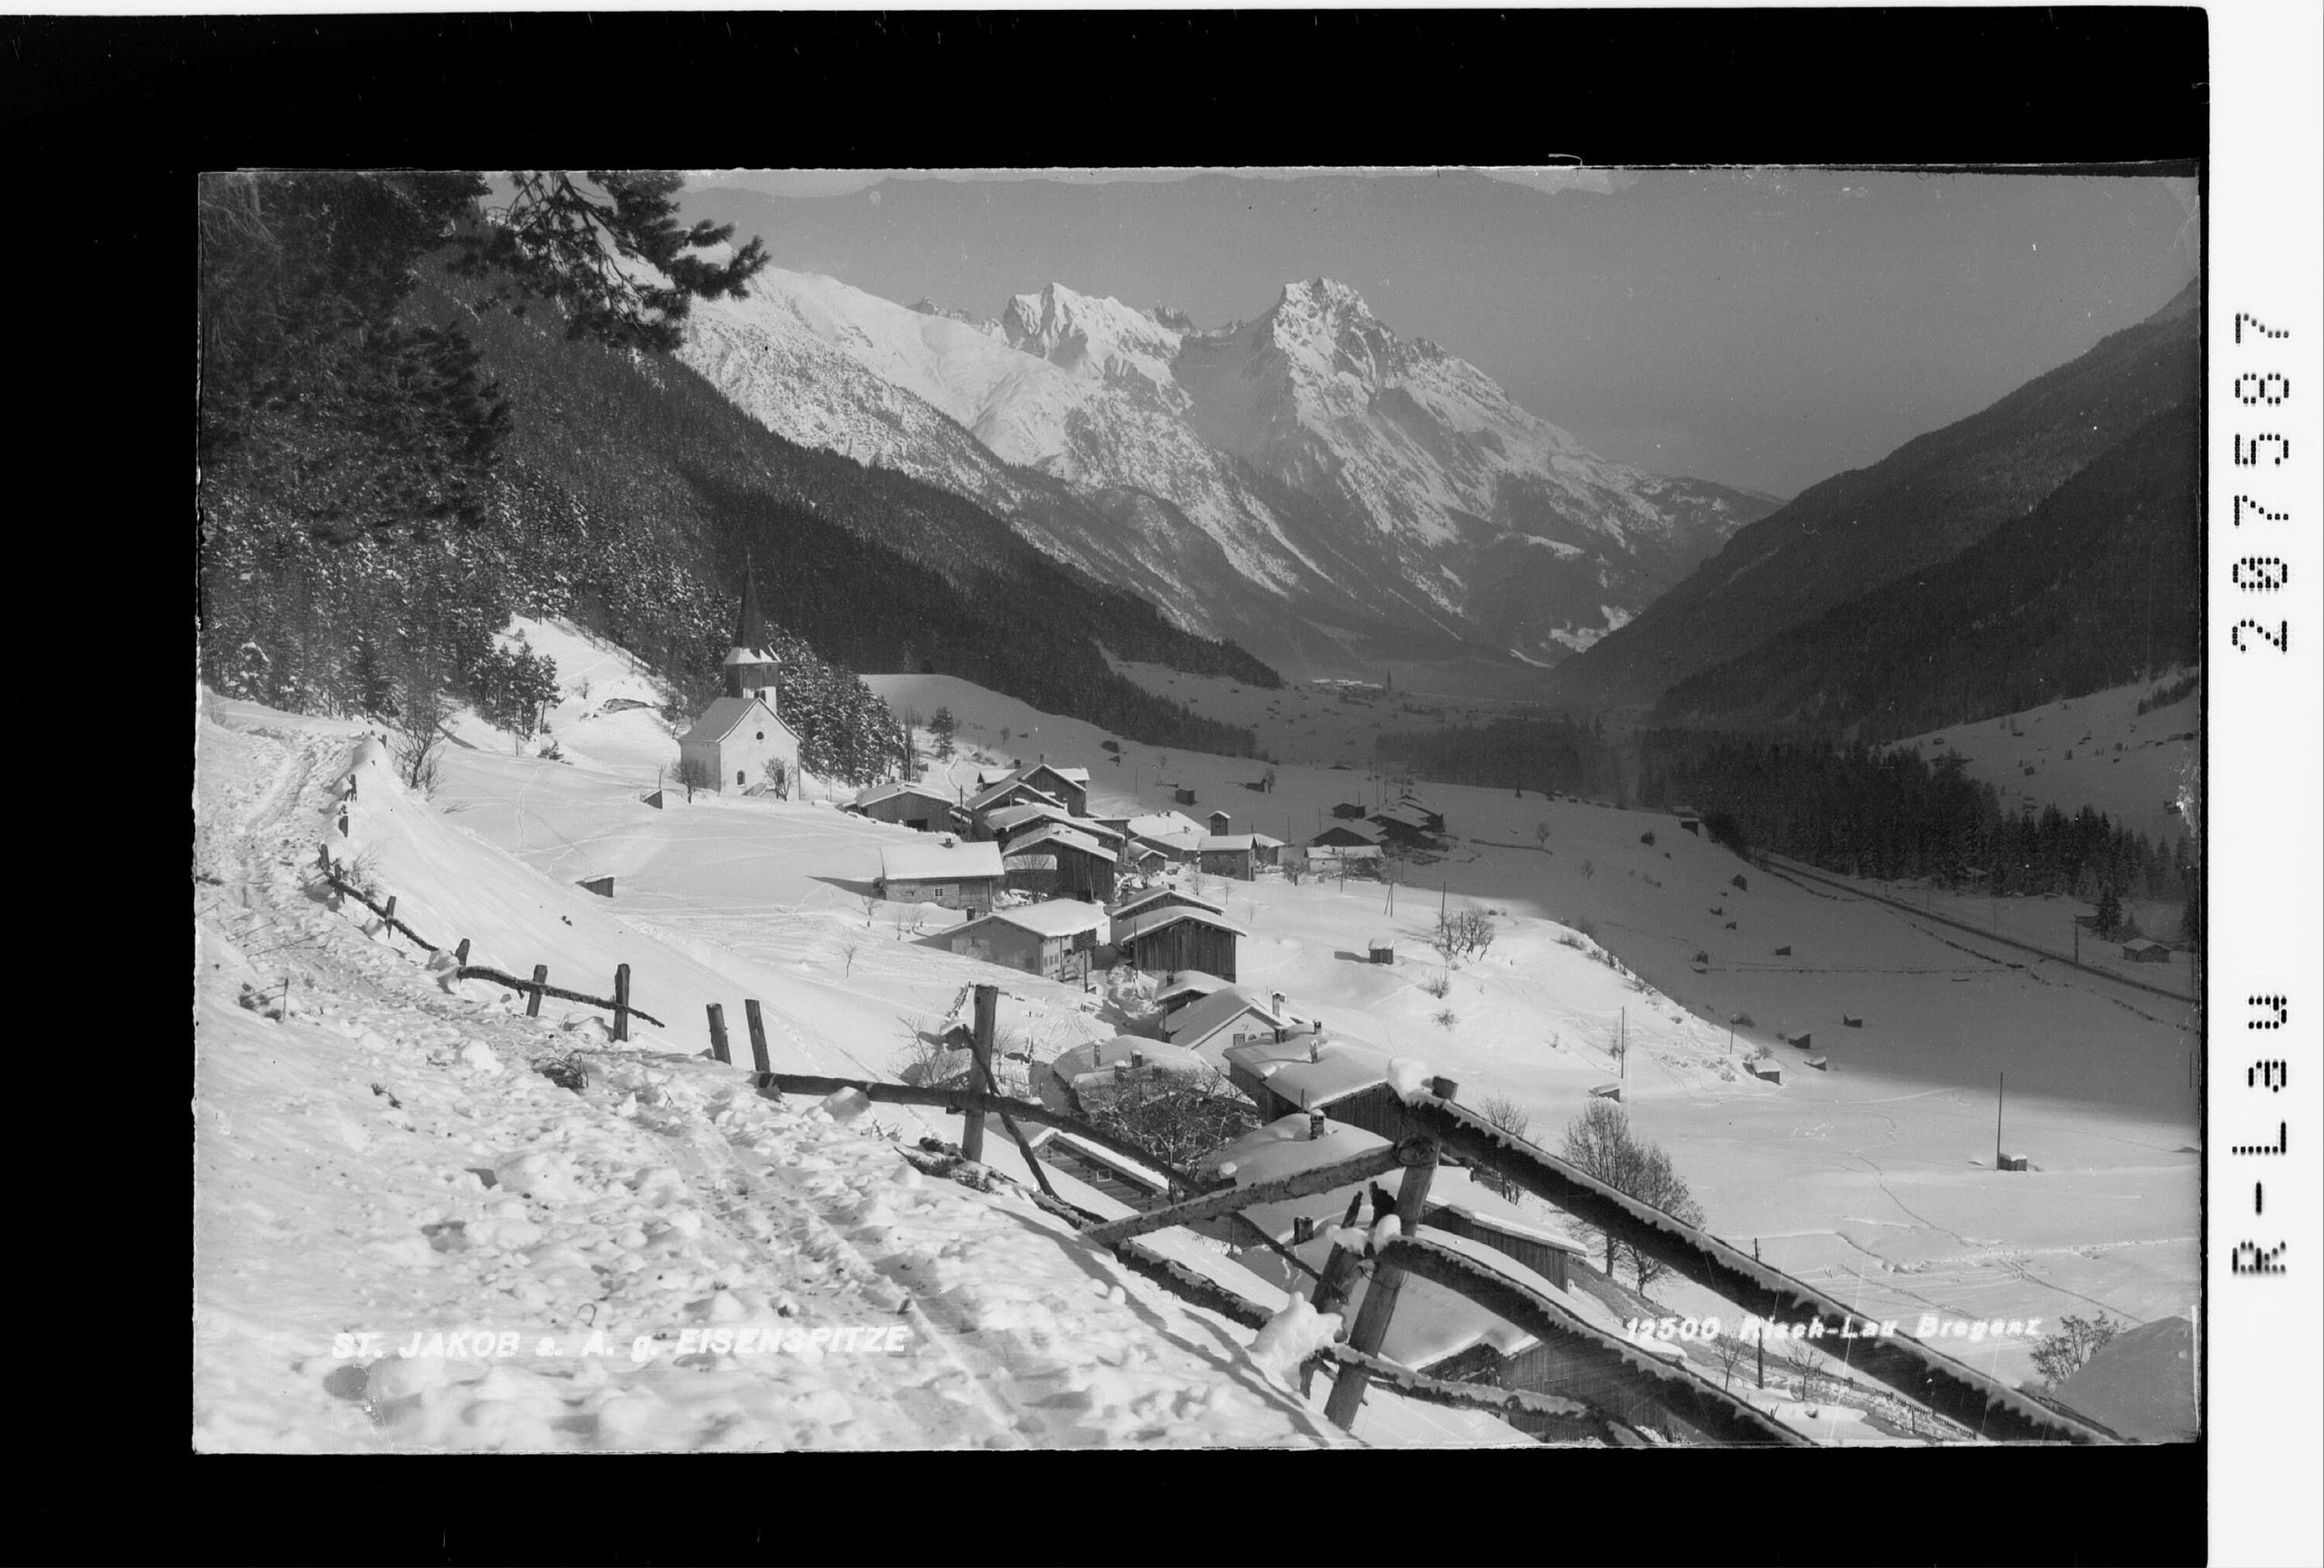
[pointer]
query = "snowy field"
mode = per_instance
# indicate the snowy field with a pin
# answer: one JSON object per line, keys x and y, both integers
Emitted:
{"x": 664, "y": 1198}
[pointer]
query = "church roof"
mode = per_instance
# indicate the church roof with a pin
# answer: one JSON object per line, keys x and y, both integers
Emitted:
{"x": 724, "y": 716}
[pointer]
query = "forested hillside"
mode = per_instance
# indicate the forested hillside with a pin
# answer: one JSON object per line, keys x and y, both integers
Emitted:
{"x": 2094, "y": 587}
{"x": 1928, "y": 501}
{"x": 395, "y": 461}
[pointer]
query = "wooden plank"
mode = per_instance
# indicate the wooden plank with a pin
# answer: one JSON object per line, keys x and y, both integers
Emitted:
{"x": 1575, "y": 1417}
{"x": 1298, "y": 1185}
{"x": 620, "y": 1001}
{"x": 1696, "y": 1399}
{"x": 1952, "y": 1389}
{"x": 719, "y": 1033}
{"x": 758, "y": 1025}
{"x": 540, "y": 985}
{"x": 1372, "y": 1319}
{"x": 957, "y": 1101}
{"x": 979, "y": 1050}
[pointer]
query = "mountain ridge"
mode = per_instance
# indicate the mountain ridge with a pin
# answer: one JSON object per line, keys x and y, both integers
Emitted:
{"x": 1294, "y": 480}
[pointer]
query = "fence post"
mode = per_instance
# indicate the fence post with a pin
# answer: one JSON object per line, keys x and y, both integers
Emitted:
{"x": 461, "y": 953}
{"x": 718, "y": 1034}
{"x": 620, "y": 1001}
{"x": 533, "y": 999}
{"x": 758, "y": 1034}
{"x": 1336, "y": 1285}
{"x": 390, "y": 907}
{"x": 980, "y": 1046}
{"x": 1379, "y": 1302}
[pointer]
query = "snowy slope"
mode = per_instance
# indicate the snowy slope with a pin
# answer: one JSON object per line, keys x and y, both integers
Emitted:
{"x": 1310, "y": 455}
{"x": 378, "y": 1156}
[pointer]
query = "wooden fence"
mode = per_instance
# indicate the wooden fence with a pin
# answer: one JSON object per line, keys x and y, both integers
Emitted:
{"x": 533, "y": 990}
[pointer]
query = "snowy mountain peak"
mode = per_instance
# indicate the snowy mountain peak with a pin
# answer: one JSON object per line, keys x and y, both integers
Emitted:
{"x": 1099, "y": 339}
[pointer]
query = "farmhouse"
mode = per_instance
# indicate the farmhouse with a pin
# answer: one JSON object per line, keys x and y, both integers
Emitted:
{"x": 950, "y": 873}
{"x": 1055, "y": 939}
{"x": 920, "y": 807}
{"x": 1162, "y": 824}
{"x": 1348, "y": 836}
{"x": 1305, "y": 1073}
{"x": 2144, "y": 950}
{"x": 1220, "y": 1019}
{"x": 1404, "y": 825}
{"x": 1165, "y": 940}
{"x": 733, "y": 740}
{"x": 1054, "y": 860}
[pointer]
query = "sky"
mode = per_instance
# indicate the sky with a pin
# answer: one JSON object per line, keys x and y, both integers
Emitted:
{"x": 1765, "y": 328}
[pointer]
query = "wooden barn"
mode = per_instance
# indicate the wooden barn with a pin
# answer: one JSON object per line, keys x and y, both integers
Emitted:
{"x": 1347, "y": 835}
{"x": 2144, "y": 950}
{"x": 956, "y": 874}
{"x": 1164, "y": 941}
{"x": 918, "y": 807}
{"x": 1053, "y": 861}
{"x": 1230, "y": 854}
{"x": 1010, "y": 791}
{"x": 1068, "y": 786}
{"x": 1056, "y": 940}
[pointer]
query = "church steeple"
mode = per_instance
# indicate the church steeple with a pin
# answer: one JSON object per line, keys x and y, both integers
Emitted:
{"x": 749, "y": 663}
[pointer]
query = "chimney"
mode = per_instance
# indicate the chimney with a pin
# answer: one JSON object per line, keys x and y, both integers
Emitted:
{"x": 1316, "y": 1124}
{"x": 1137, "y": 1058}
{"x": 1278, "y": 1000}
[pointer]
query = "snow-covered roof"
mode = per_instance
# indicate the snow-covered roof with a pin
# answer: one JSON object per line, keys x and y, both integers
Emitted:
{"x": 925, "y": 863}
{"x": 1100, "y": 1056}
{"x": 724, "y": 716}
{"x": 1058, "y": 833}
{"x": 1155, "y": 919}
{"x": 1001, "y": 791}
{"x": 1225, "y": 842}
{"x": 1409, "y": 816}
{"x": 1162, "y": 824}
{"x": 1191, "y": 900}
{"x": 1340, "y": 1068}
{"x": 1363, "y": 830}
{"x": 1199, "y": 1021}
{"x": 1056, "y": 918}
{"x": 1189, "y": 982}
{"x": 741, "y": 655}
{"x": 879, "y": 792}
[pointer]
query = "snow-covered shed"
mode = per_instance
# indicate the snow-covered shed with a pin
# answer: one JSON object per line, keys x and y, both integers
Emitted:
{"x": 1103, "y": 1066}
{"x": 1228, "y": 854}
{"x": 1186, "y": 987}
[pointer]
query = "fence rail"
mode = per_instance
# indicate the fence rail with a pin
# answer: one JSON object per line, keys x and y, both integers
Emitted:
{"x": 1982, "y": 1404}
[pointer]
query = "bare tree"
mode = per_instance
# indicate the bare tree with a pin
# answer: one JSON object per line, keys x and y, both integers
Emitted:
{"x": 1601, "y": 1144}
{"x": 694, "y": 774}
{"x": 423, "y": 724}
{"x": 1511, "y": 1118}
{"x": 2060, "y": 1355}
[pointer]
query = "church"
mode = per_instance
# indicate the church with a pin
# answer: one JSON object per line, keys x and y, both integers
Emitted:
{"x": 738, "y": 732}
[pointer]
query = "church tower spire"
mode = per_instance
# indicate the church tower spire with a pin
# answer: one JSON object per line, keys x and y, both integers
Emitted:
{"x": 749, "y": 663}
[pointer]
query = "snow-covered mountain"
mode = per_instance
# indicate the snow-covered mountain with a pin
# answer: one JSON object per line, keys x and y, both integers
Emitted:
{"x": 1306, "y": 467}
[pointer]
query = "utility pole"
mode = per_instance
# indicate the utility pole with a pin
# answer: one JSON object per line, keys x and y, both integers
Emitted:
{"x": 1998, "y": 1104}
{"x": 1761, "y": 1337}
{"x": 1623, "y": 1045}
